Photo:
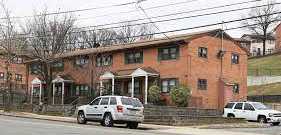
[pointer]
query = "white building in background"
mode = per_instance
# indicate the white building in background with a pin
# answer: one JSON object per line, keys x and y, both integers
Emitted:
{"x": 256, "y": 44}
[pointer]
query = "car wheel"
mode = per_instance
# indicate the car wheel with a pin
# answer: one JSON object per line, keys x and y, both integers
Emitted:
{"x": 81, "y": 119}
{"x": 132, "y": 125}
{"x": 276, "y": 123}
{"x": 107, "y": 120}
{"x": 230, "y": 116}
{"x": 262, "y": 119}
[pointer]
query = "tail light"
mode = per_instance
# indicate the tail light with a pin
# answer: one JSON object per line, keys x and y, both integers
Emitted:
{"x": 119, "y": 108}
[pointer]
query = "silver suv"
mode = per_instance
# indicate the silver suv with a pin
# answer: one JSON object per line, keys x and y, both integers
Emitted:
{"x": 112, "y": 109}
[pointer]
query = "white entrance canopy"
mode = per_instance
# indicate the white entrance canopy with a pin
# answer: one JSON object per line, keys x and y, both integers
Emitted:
{"x": 140, "y": 72}
{"x": 36, "y": 81}
{"x": 62, "y": 80}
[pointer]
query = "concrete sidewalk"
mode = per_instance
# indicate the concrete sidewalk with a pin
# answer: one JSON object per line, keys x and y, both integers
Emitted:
{"x": 194, "y": 130}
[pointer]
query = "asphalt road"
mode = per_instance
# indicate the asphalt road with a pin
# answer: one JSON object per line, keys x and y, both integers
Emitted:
{"x": 22, "y": 126}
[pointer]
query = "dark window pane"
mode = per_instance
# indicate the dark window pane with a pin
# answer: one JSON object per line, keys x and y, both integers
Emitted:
{"x": 229, "y": 105}
{"x": 113, "y": 101}
{"x": 238, "y": 106}
{"x": 249, "y": 107}
{"x": 104, "y": 101}
{"x": 202, "y": 84}
{"x": 96, "y": 102}
{"x": 168, "y": 53}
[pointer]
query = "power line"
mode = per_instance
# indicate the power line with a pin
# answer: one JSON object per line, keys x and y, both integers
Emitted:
{"x": 78, "y": 10}
{"x": 172, "y": 14}
{"x": 125, "y": 12}
{"x": 186, "y": 17}
{"x": 94, "y": 8}
{"x": 177, "y": 30}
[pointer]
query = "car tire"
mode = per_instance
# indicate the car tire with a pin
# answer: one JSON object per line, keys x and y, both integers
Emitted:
{"x": 262, "y": 119}
{"x": 132, "y": 125}
{"x": 107, "y": 120}
{"x": 275, "y": 123}
{"x": 230, "y": 115}
{"x": 81, "y": 119}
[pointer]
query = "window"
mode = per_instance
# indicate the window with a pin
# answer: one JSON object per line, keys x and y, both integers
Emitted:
{"x": 113, "y": 101}
{"x": 235, "y": 59}
{"x": 35, "y": 68}
{"x": 18, "y": 77}
{"x": 229, "y": 105}
{"x": 17, "y": 60}
{"x": 168, "y": 84}
{"x": 203, "y": 52}
{"x": 131, "y": 101}
{"x": 136, "y": 87}
{"x": 249, "y": 107}
{"x": 104, "y": 101}
{"x": 236, "y": 88}
{"x": 82, "y": 60}
{"x": 133, "y": 57}
{"x": 96, "y": 101}
{"x": 10, "y": 76}
{"x": 202, "y": 84}
{"x": 2, "y": 75}
{"x": 238, "y": 106}
{"x": 105, "y": 60}
{"x": 168, "y": 53}
{"x": 59, "y": 65}
{"x": 82, "y": 90}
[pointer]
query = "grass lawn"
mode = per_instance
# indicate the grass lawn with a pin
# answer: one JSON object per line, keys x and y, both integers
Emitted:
{"x": 269, "y": 65}
{"x": 269, "y": 89}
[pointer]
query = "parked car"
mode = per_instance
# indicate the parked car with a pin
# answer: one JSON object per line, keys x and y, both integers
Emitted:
{"x": 252, "y": 111}
{"x": 112, "y": 109}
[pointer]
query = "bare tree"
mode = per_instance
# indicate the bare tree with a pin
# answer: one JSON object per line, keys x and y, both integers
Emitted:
{"x": 264, "y": 23}
{"x": 130, "y": 33}
{"x": 48, "y": 39}
{"x": 10, "y": 46}
{"x": 106, "y": 37}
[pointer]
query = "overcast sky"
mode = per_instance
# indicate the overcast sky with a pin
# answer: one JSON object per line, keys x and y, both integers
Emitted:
{"x": 109, "y": 15}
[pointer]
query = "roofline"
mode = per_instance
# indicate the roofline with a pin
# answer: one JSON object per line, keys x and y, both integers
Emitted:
{"x": 156, "y": 42}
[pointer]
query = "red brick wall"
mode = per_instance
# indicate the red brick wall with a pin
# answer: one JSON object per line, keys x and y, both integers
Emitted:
{"x": 188, "y": 68}
{"x": 14, "y": 69}
{"x": 278, "y": 37}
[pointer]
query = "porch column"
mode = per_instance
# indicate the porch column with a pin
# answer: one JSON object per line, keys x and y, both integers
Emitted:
{"x": 40, "y": 93}
{"x": 31, "y": 94}
{"x": 62, "y": 94}
{"x": 54, "y": 92}
{"x": 101, "y": 87}
{"x": 133, "y": 87}
{"x": 146, "y": 89}
{"x": 113, "y": 85}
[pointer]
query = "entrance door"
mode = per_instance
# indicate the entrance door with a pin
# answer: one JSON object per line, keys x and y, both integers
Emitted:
{"x": 249, "y": 112}
{"x": 238, "y": 112}
{"x": 92, "y": 111}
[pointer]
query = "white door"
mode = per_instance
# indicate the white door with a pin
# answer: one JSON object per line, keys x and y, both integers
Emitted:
{"x": 92, "y": 111}
{"x": 249, "y": 112}
{"x": 238, "y": 112}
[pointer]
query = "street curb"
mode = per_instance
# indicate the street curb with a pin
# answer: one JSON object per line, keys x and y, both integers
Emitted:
{"x": 37, "y": 118}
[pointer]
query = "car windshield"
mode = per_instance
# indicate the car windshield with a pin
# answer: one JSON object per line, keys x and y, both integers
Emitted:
{"x": 260, "y": 106}
{"x": 131, "y": 101}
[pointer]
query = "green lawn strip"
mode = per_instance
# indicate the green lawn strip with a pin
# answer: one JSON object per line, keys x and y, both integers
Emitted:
{"x": 268, "y": 89}
{"x": 269, "y": 65}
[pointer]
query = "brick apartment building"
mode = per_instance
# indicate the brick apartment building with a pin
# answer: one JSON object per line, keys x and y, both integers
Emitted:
{"x": 214, "y": 69}
{"x": 17, "y": 74}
